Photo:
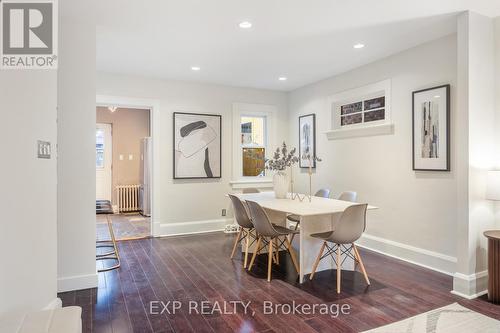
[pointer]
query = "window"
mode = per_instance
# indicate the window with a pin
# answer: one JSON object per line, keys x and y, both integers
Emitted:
{"x": 99, "y": 148}
{"x": 253, "y": 145}
{"x": 363, "y": 111}
{"x": 253, "y": 138}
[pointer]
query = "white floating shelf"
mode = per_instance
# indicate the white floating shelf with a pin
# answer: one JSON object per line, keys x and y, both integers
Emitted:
{"x": 383, "y": 129}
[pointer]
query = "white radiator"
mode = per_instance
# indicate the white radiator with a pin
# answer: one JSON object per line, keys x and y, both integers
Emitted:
{"x": 128, "y": 198}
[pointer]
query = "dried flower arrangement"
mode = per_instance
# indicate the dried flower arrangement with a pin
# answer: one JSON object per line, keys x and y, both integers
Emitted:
{"x": 282, "y": 159}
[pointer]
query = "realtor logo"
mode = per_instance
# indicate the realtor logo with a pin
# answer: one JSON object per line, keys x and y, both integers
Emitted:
{"x": 29, "y": 34}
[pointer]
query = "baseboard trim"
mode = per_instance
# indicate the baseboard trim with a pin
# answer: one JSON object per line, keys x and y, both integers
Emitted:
{"x": 484, "y": 292}
{"x": 428, "y": 259}
{"x": 77, "y": 282}
{"x": 470, "y": 286}
{"x": 54, "y": 304}
{"x": 193, "y": 227}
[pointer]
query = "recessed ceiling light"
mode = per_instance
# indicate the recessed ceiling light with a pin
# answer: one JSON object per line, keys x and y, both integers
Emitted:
{"x": 437, "y": 96}
{"x": 282, "y": 78}
{"x": 245, "y": 25}
{"x": 195, "y": 68}
{"x": 358, "y": 46}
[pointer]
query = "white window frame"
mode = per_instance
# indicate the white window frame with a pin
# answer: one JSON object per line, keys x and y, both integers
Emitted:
{"x": 361, "y": 94}
{"x": 251, "y": 110}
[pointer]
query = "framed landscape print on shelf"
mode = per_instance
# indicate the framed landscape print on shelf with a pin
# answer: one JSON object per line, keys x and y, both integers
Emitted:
{"x": 197, "y": 145}
{"x": 431, "y": 129}
{"x": 307, "y": 140}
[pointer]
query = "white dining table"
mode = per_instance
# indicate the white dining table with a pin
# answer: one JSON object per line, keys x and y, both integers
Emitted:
{"x": 317, "y": 215}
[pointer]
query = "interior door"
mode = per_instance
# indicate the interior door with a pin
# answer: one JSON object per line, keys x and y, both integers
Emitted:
{"x": 103, "y": 161}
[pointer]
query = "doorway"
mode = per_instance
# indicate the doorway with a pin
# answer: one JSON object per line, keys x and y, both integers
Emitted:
{"x": 123, "y": 177}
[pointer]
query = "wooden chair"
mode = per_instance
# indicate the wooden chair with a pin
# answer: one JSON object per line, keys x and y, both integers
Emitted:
{"x": 348, "y": 229}
{"x": 272, "y": 236}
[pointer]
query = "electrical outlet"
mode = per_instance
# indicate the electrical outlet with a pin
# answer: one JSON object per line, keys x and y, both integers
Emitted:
{"x": 223, "y": 212}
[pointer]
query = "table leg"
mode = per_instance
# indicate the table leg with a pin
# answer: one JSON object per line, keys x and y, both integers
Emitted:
{"x": 309, "y": 247}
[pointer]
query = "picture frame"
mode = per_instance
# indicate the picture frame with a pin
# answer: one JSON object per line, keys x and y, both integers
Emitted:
{"x": 307, "y": 140}
{"x": 197, "y": 151}
{"x": 431, "y": 129}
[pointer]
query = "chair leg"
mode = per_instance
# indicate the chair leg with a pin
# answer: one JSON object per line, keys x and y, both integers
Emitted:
{"x": 361, "y": 263}
{"x": 255, "y": 253}
{"x": 293, "y": 235}
{"x": 276, "y": 251}
{"x": 315, "y": 266}
{"x": 292, "y": 254}
{"x": 270, "y": 260}
{"x": 339, "y": 269}
{"x": 236, "y": 241}
{"x": 247, "y": 245}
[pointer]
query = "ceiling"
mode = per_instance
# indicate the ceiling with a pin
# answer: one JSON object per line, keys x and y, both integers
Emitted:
{"x": 303, "y": 40}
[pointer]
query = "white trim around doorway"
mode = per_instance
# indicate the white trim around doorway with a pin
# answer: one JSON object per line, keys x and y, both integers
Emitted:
{"x": 154, "y": 107}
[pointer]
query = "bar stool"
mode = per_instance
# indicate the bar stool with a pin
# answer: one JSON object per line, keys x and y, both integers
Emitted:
{"x": 269, "y": 235}
{"x": 349, "y": 229}
{"x": 111, "y": 243}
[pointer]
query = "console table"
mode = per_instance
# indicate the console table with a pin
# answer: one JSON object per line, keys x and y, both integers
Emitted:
{"x": 493, "y": 265}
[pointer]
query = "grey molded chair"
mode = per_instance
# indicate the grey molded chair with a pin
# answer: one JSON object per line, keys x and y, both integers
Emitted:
{"x": 269, "y": 235}
{"x": 246, "y": 226}
{"x": 348, "y": 196}
{"x": 348, "y": 229}
{"x": 250, "y": 190}
{"x": 323, "y": 193}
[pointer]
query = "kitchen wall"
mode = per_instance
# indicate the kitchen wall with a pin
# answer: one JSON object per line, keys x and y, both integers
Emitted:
{"x": 175, "y": 198}
{"x": 417, "y": 214}
{"x": 129, "y": 127}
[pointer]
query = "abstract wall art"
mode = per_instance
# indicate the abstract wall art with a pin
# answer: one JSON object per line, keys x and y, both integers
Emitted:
{"x": 307, "y": 141}
{"x": 197, "y": 145}
{"x": 431, "y": 129}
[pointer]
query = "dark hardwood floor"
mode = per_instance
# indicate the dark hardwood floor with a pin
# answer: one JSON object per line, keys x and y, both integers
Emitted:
{"x": 198, "y": 268}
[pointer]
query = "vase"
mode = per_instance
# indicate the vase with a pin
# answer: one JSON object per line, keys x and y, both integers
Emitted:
{"x": 280, "y": 184}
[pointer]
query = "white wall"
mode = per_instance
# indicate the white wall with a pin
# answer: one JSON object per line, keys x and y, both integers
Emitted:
{"x": 28, "y": 225}
{"x": 497, "y": 109}
{"x": 418, "y": 209}
{"x": 176, "y": 197}
{"x": 76, "y": 136}
{"x": 476, "y": 70}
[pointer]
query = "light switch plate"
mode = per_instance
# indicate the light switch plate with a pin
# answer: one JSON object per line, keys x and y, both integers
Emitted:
{"x": 43, "y": 149}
